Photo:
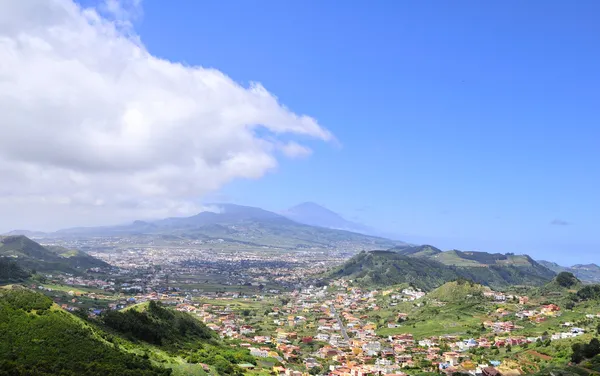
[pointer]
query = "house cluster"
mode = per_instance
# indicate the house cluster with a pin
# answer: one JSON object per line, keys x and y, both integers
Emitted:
{"x": 502, "y": 297}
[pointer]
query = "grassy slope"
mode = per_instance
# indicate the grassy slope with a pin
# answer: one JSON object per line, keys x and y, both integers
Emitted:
{"x": 453, "y": 308}
{"x": 32, "y": 255}
{"x": 39, "y": 338}
{"x": 385, "y": 268}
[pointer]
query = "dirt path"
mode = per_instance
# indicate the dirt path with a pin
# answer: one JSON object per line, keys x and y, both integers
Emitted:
{"x": 538, "y": 355}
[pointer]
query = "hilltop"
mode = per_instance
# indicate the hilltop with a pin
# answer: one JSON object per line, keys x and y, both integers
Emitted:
{"x": 417, "y": 251}
{"x": 313, "y": 214}
{"x": 456, "y": 291}
{"x": 154, "y": 324}
{"x": 384, "y": 268}
{"x": 421, "y": 266}
{"x": 31, "y": 255}
{"x": 239, "y": 225}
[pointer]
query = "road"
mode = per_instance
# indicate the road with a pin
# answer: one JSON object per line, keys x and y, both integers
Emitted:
{"x": 340, "y": 323}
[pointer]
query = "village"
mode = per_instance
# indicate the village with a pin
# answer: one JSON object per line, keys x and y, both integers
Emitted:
{"x": 343, "y": 330}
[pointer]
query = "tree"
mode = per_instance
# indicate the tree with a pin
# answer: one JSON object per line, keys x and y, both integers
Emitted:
{"x": 577, "y": 355}
{"x": 592, "y": 349}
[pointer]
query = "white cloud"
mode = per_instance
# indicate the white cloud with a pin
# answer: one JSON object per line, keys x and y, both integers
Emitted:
{"x": 95, "y": 128}
{"x": 295, "y": 150}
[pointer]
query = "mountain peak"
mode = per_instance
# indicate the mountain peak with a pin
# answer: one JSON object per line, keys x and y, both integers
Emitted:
{"x": 313, "y": 214}
{"x": 312, "y": 207}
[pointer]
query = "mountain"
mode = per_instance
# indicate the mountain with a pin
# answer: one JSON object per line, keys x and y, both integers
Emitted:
{"x": 241, "y": 225}
{"x": 382, "y": 268}
{"x": 553, "y": 266}
{"x": 31, "y": 255}
{"x": 29, "y": 234}
{"x": 589, "y": 273}
{"x": 483, "y": 267}
{"x": 385, "y": 268}
{"x": 313, "y": 214}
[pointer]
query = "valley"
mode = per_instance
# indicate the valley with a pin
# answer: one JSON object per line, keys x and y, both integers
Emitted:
{"x": 167, "y": 300}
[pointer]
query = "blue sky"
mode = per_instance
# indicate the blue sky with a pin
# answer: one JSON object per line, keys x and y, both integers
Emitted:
{"x": 465, "y": 124}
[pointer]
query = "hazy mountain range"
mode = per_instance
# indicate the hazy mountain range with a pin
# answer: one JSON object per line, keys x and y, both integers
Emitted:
{"x": 245, "y": 225}
{"x": 585, "y": 272}
{"x": 307, "y": 225}
{"x": 313, "y": 214}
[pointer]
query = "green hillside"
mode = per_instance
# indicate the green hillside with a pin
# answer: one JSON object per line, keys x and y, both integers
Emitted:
{"x": 384, "y": 268}
{"x": 76, "y": 258}
{"x": 33, "y": 256}
{"x": 470, "y": 258}
{"x": 417, "y": 251}
{"x": 157, "y": 325}
{"x": 40, "y": 339}
{"x": 10, "y": 272}
{"x": 457, "y": 291}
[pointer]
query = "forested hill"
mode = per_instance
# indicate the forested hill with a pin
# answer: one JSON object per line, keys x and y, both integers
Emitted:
{"x": 384, "y": 268}
{"x": 10, "y": 272}
{"x": 31, "y": 255}
{"x": 38, "y": 338}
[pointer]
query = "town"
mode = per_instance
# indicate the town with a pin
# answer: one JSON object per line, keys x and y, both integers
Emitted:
{"x": 271, "y": 305}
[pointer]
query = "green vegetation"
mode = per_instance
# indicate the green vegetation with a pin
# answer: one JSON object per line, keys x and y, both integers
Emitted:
{"x": 39, "y": 339}
{"x": 384, "y": 268}
{"x": 585, "y": 351}
{"x": 589, "y": 292}
{"x": 33, "y": 256}
{"x": 10, "y": 272}
{"x": 176, "y": 333}
{"x": 566, "y": 280}
{"x": 454, "y": 308}
{"x": 457, "y": 291}
{"x": 157, "y": 325}
{"x": 417, "y": 251}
